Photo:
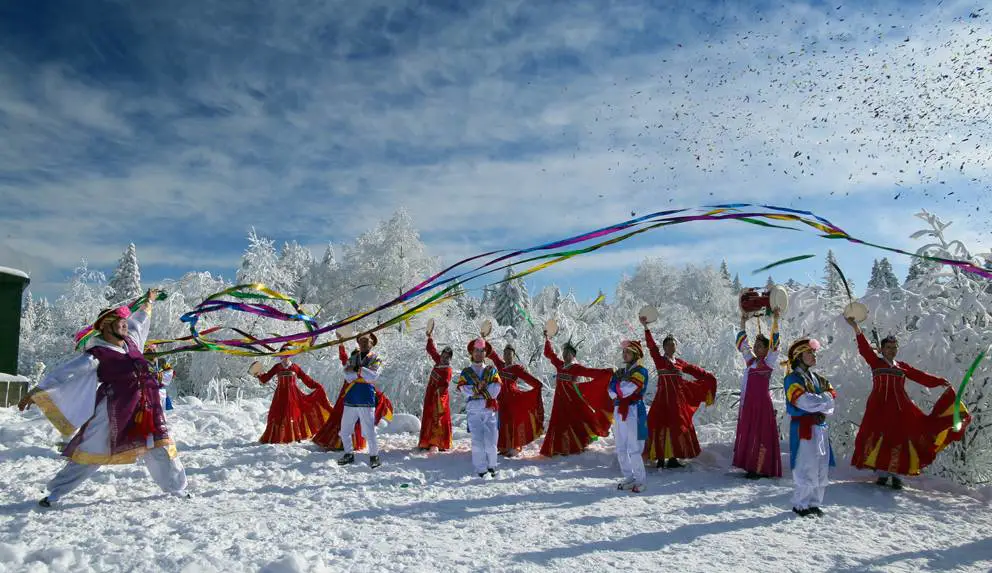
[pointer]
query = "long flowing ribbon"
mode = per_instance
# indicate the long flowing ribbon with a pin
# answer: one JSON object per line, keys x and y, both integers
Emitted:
{"x": 964, "y": 384}
{"x": 544, "y": 255}
{"x": 87, "y": 332}
{"x": 782, "y": 262}
{"x": 843, "y": 280}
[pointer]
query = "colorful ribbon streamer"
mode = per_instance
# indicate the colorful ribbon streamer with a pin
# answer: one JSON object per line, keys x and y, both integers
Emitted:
{"x": 543, "y": 255}
{"x": 782, "y": 262}
{"x": 964, "y": 384}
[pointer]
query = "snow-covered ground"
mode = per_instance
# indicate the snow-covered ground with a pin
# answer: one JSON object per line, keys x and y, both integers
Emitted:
{"x": 291, "y": 508}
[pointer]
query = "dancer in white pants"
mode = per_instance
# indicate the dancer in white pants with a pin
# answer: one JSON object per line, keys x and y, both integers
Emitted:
{"x": 480, "y": 384}
{"x": 809, "y": 400}
{"x": 630, "y": 427}
{"x": 108, "y": 398}
{"x": 361, "y": 373}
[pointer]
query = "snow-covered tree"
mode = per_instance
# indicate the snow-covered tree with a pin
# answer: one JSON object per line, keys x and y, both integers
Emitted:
{"x": 383, "y": 262}
{"x": 833, "y": 285}
{"x": 725, "y": 272}
{"x": 293, "y": 267}
{"x": 736, "y": 285}
{"x": 260, "y": 262}
{"x": 125, "y": 283}
{"x": 510, "y": 297}
{"x": 874, "y": 282}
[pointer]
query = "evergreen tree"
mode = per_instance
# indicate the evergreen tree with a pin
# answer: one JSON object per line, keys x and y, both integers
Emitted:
{"x": 832, "y": 284}
{"x": 259, "y": 263}
{"x": 737, "y": 283}
{"x": 510, "y": 296}
{"x": 886, "y": 274}
{"x": 770, "y": 283}
{"x": 919, "y": 269}
{"x": 875, "y": 282}
{"x": 724, "y": 271}
{"x": 125, "y": 283}
{"x": 793, "y": 284}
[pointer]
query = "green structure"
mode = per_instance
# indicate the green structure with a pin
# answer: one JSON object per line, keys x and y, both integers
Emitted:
{"x": 12, "y": 284}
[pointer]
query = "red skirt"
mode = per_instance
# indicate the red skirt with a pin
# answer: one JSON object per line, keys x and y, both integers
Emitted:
{"x": 329, "y": 436}
{"x": 435, "y": 428}
{"x": 757, "y": 448}
{"x": 671, "y": 433}
{"x": 293, "y": 415}
{"x": 521, "y": 417}
{"x": 895, "y": 436}
{"x": 577, "y": 417}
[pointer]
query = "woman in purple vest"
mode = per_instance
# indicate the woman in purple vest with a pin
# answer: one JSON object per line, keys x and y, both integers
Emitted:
{"x": 110, "y": 396}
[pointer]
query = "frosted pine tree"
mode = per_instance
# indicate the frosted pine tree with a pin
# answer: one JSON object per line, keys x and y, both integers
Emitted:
{"x": 508, "y": 300}
{"x": 294, "y": 265}
{"x": 125, "y": 283}
{"x": 725, "y": 272}
{"x": 260, "y": 262}
{"x": 886, "y": 275}
{"x": 736, "y": 285}
{"x": 874, "y": 281}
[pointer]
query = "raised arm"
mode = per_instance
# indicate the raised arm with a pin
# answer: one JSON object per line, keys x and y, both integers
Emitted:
{"x": 549, "y": 353}
{"x": 432, "y": 351}
{"x": 492, "y": 355}
{"x": 653, "y": 348}
{"x": 867, "y": 352}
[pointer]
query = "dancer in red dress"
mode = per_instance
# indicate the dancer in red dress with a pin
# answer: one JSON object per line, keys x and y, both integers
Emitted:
{"x": 435, "y": 425}
{"x": 577, "y": 416}
{"x": 293, "y": 415}
{"x": 328, "y": 436}
{"x": 757, "y": 449}
{"x": 671, "y": 433}
{"x": 521, "y": 412}
{"x": 895, "y": 436}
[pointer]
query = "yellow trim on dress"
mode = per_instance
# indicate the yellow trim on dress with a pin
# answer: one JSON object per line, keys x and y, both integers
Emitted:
{"x": 52, "y": 412}
{"x": 123, "y": 458}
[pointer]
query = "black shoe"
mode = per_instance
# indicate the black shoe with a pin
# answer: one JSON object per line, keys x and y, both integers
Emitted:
{"x": 374, "y": 462}
{"x": 346, "y": 459}
{"x": 43, "y": 502}
{"x": 896, "y": 483}
{"x": 492, "y": 472}
{"x": 753, "y": 475}
{"x": 483, "y": 474}
{"x": 884, "y": 480}
{"x": 674, "y": 463}
{"x": 801, "y": 512}
{"x": 816, "y": 511}
{"x": 661, "y": 464}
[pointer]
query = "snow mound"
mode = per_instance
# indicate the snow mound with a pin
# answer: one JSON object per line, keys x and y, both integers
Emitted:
{"x": 402, "y": 424}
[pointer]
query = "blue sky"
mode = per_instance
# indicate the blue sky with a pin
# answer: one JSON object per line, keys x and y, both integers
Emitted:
{"x": 180, "y": 125}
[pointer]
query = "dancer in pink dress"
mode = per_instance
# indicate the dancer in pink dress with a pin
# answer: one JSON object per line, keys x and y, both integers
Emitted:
{"x": 756, "y": 449}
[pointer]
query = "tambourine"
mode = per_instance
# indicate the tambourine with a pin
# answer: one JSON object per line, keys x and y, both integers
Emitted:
{"x": 856, "y": 310}
{"x": 255, "y": 368}
{"x": 648, "y": 313}
{"x": 430, "y": 326}
{"x": 551, "y": 327}
{"x": 778, "y": 299}
{"x": 486, "y": 328}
